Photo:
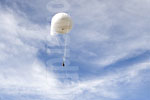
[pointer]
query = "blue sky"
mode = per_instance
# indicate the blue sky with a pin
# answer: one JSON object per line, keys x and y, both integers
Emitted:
{"x": 108, "y": 50}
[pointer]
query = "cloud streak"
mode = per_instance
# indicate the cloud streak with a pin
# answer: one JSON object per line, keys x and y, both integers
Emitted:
{"x": 104, "y": 34}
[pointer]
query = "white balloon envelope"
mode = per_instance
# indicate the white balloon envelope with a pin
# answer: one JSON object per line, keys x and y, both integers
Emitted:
{"x": 61, "y": 24}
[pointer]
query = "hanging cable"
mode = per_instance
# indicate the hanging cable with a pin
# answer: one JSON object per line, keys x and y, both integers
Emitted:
{"x": 65, "y": 50}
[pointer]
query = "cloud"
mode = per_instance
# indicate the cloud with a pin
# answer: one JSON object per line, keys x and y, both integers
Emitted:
{"x": 112, "y": 85}
{"x": 20, "y": 69}
{"x": 112, "y": 29}
{"x": 58, "y": 6}
{"x": 103, "y": 34}
{"x": 105, "y": 87}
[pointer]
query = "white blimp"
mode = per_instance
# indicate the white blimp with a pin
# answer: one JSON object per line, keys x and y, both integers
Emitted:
{"x": 61, "y": 23}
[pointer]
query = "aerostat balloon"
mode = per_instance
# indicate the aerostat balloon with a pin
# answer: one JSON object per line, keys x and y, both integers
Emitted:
{"x": 61, "y": 24}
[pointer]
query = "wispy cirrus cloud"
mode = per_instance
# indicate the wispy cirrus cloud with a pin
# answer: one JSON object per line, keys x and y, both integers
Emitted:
{"x": 119, "y": 25}
{"x": 103, "y": 34}
{"x": 19, "y": 65}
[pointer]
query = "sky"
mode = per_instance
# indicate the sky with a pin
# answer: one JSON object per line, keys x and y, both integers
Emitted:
{"x": 108, "y": 51}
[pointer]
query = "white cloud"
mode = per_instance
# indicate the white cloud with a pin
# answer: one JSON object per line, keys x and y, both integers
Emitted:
{"x": 20, "y": 70}
{"x": 113, "y": 30}
{"x": 108, "y": 86}
{"x": 20, "y": 39}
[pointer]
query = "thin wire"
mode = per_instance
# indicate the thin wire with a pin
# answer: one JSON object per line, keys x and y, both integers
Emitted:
{"x": 65, "y": 49}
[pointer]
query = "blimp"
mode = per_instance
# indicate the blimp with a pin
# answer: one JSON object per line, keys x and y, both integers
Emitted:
{"x": 61, "y": 23}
